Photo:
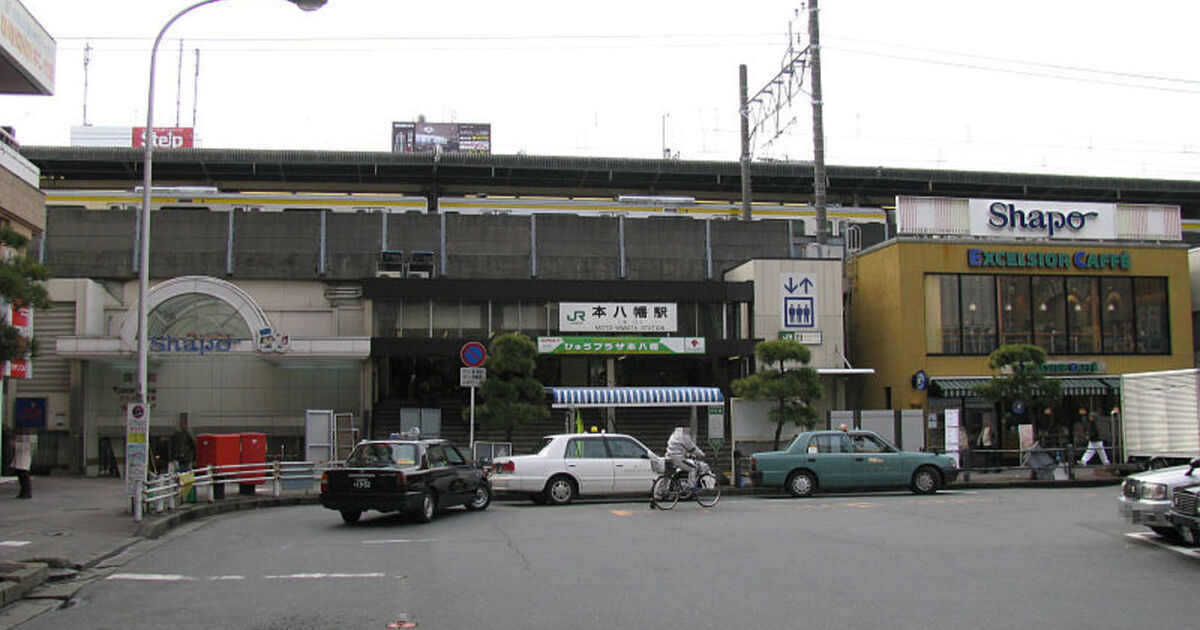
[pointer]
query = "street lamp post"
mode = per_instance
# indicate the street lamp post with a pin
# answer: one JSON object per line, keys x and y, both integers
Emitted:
{"x": 143, "y": 391}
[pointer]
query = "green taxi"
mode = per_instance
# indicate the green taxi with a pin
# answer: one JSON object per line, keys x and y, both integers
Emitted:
{"x": 834, "y": 460}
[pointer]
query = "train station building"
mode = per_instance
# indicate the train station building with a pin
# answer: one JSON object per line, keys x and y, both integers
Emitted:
{"x": 350, "y": 282}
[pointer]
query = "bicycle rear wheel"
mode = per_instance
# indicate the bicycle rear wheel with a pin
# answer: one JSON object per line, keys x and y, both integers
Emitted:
{"x": 664, "y": 492}
{"x": 710, "y": 490}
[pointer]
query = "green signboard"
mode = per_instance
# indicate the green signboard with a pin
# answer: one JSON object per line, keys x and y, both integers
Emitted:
{"x": 621, "y": 345}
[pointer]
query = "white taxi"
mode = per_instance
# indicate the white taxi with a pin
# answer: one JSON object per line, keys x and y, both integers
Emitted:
{"x": 571, "y": 465}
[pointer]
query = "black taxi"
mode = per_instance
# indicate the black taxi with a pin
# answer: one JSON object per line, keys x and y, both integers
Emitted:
{"x": 405, "y": 474}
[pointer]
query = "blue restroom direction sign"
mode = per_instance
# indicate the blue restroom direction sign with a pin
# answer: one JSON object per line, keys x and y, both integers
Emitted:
{"x": 798, "y": 301}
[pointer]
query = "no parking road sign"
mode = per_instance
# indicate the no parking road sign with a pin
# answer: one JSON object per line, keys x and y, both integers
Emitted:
{"x": 473, "y": 354}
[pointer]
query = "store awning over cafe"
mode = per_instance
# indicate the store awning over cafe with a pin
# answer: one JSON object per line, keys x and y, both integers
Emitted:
{"x": 1073, "y": 386}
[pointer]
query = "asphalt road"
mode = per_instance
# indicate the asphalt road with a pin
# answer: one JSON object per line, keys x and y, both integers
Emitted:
{"x": 1003, "y": 558}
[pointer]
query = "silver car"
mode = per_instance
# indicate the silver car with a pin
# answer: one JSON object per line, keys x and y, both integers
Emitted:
{"x": 1146, "y": 497}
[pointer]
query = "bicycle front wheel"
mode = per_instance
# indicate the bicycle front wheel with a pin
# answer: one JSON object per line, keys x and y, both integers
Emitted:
{"x": 710, "y": 490}
{"x": 664, "y": 493}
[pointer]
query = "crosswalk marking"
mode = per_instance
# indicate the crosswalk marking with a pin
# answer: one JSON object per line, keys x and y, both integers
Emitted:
{"x": 13, "y": 543}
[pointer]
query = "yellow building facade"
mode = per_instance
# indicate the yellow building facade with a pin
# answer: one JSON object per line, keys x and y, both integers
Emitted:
{"x": 925, "y": 311}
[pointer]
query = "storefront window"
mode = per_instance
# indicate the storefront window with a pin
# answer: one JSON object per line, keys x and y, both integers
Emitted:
{"x": 1116, "y": 314}
{"x": 1016, "y": 317}
{"x": 387, "y": 318}
{"x": 686, "y": 313}
{"x": 979, "y": 314}
{"x": 943, "y": 334}
{"x": 733, "y": 313}
{"x": 446, "y": 319}
{"x": 1083, "y": 316}
{"x": 533, "y": 319}
{"x": 1153, "y": 326}
{"x": 711, "y": 321}
{"x": 474, "y": 320}
{"x": 1049, "y": 314}
{"x": 1061, "y": 314}
{"x": 552, "y": 317}
{"x": 506, "y": 317}
{"x": 414, "y": 318}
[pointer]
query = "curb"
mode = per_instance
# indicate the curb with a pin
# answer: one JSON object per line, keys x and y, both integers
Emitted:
{"x": 159, "y": 524}
{"x": 20, "y": 578}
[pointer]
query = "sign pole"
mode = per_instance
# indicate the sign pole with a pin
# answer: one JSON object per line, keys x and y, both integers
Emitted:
{"x": 471, "y": 439}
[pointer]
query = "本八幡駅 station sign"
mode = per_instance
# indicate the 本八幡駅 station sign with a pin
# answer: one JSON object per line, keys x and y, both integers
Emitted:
{"x": 612, "y": 317}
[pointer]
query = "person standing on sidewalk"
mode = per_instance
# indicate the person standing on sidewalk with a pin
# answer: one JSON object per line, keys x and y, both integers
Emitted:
{"x": 1095, "y": 444}
{"x": 22, "y": 462}
{"x": 984, "y": 443}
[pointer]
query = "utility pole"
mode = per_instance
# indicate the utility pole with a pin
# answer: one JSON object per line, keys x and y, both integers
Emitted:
{"x": 818, "y": 125}
{"x": 87, "y": 57}
{"x": 764, "y": 111}
{"x": 744, "y": 114}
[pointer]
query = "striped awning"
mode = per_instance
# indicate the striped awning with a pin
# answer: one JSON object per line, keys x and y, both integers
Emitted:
{"x": 580, "y": 397}
{"x": 1074, "y": 386}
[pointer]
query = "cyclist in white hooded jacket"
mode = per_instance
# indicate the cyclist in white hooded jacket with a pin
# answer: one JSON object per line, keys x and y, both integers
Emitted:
{"x": 679, "y": 447}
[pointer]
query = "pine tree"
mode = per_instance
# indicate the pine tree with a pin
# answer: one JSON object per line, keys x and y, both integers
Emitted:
{"x": 794, "y": 390}
{"x": 511, "y": 394}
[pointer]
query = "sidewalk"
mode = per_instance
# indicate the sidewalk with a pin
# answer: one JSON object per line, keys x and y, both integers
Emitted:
{"x": 52, "y": 543}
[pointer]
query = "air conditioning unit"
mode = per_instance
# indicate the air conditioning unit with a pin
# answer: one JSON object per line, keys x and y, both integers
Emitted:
{"x": 389, "y": 274}
{"x": 391, "y": 260}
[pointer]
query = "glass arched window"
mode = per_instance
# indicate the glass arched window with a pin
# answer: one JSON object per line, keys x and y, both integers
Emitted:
{"x": 196, "y": 314}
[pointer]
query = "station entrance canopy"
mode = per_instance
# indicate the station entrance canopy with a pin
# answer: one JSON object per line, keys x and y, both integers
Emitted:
{"x": 591, "y": 397}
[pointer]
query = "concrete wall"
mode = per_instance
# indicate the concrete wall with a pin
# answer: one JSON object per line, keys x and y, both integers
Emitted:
{"x": 287, "y": 245}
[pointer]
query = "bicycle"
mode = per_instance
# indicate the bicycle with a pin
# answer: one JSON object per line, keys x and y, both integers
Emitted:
{"x": 671, "y": 486}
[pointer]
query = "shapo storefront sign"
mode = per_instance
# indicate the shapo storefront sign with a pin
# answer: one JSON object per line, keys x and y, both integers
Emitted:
{"x": 198, "y": 345}
{"x": 1042, "y": 219}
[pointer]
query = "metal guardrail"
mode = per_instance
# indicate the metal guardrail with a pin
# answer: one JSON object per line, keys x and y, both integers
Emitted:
{"x": 169, "y": 490}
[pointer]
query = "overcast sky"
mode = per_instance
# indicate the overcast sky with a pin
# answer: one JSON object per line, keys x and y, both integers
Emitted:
{"x": 1095, "y": 87}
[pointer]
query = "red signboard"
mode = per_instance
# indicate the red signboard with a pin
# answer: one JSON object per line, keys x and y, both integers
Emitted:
{"x": 165, "y": 137}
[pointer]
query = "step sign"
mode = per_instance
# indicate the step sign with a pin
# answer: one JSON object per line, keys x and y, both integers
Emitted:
{"x": 798, "y": 301}
{"x": 473, "y": 354}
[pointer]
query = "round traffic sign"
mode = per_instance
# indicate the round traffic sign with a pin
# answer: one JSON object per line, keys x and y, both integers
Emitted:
{"x": 473, "y": 354}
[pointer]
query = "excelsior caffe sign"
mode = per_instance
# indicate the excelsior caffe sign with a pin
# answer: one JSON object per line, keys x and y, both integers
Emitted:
{"x": 1042, "y": 219}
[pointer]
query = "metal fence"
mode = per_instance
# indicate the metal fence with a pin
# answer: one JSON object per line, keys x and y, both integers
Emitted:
{"x": 169, "y": 490}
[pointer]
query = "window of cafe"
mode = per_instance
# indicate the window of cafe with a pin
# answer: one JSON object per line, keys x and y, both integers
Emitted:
{"x": 974, "y": 314}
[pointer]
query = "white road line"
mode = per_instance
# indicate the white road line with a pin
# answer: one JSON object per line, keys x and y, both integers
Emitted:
{"x": 398, "y": 541}
{"x": 174, "y": 577}
{"x": 13, "y": 543}
{"x": 150, "y": 577}
{"x": 321, "y": 576}
{"x": 1151, "y": 538}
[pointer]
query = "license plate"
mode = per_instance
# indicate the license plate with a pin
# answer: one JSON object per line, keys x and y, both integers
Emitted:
{"x": 360, "y": 483}
{"x": 1187, "y": 535}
